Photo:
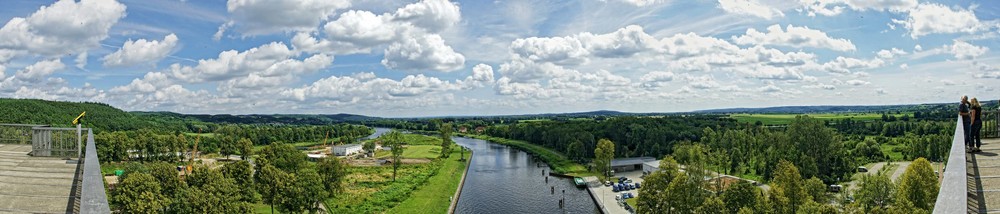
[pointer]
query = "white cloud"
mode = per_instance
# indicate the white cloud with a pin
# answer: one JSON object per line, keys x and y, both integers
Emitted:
{"x": 81, "y": 60}
{"x": 65, "y": 27}
{"x": 141, "y": 52}
{"x": 936, "y": 18}
{"x": 423, "y": 53}
{"x": 964, "y": 50}
{"x": 856, "y": 82}
{"x": 482, "y": 74}
{"x": 794, "y": 37}
{"x": 904, "y": 66}
{"x": 656, "y": 79}
{"x": 845, "y": 65}
{"x": 433, "y": 15}
{"x": 151, "y": 82}
{"x": 835, "y": 7}
{"x": 890, "y": 53}
{"x": 349, "y": 89}
{"x": 624, "y": 42}
{"x": 362, "y": 29}
{"x": 769, "y": 88}
{"x": 558, "y": 50}
{"x": 750, "y": 7}
{"x": 642, "y": 3}
{"x": 258, "y": 17}
{"x": 268, "y": 60}
{"x": 41, "y": 69}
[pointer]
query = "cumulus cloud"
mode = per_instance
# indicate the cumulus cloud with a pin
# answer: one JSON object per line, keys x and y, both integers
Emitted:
{"x": 890, "y": 53}
{"x": 856, "y": 82}
{"x": 797, "y": 37}
{"x": 835, "y": 7}
{"x": 350, "y": 89}
{"x": 846, "y": 65}
{"x": 482, "y": 74}
{"x": 642, "y": 3}
{"x": 258, "y": 17}
{"x": 937, "y": 18}
{"x": 423, "y": 53}
{"x": 558, "y": 50}
{"x": 656, "y": 79}
{"x": 268, "y": 60}
{"x": 433, "y": 15}
{"x": 141, "y": 52}
{"x": 65, "y": 27}
{"x": 964, "y": 50}
{"x": 41, "y": 69}
{"x": 750, "y": 7}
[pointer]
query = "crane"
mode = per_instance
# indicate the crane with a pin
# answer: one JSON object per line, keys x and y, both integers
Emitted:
{"x": 190, "y": 165}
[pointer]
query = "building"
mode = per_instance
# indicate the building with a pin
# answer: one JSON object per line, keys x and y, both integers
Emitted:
{"x": 347, "y": 149}
{"x": 630, "y": 164}
{"x": 650, "y": 167}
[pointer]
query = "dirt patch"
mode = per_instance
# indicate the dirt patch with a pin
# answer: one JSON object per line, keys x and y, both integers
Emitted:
{"x": 416, "y": 161}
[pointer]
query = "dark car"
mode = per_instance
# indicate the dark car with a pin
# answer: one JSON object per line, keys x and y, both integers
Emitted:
{"x": 637, "y": 185}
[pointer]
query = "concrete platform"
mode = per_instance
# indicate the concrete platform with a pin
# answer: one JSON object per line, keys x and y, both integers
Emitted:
{"x": 35, "y": 184}
{"x": 984, "y": 180}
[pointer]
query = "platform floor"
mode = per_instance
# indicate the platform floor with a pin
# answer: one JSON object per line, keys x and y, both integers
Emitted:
{"x": 34, "y": 184}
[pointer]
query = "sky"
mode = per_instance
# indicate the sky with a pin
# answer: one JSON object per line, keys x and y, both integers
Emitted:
{"x": 442, "y": 58}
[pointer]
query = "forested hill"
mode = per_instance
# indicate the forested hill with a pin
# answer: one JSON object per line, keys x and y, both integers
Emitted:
{"x": 299, "y": 119}
{"x": 841, "y": 109}
{"x": 101, "y": 117}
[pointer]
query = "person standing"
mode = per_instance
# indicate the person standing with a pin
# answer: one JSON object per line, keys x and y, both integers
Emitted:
{"x": 977, "y": 125}
{"x": 963, "y": 110}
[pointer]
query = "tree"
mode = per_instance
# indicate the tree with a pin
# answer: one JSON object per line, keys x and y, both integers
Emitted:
{"x": 270, "y": 183}
{"x": 210, "y": 192}
{"x": 816, "y": 208}
{"x": 742, "y": 194}
{"x": 332, "y": 171}
{"x": 445, "y": 131}
{"x": 227, "y": 146}
{"x": 653, "y": 194}
{"x": 574, "y": 150}
{"x": 712, "y": 205}
{"x": 684, "y": 194}
{"x": 242, "y": 174}
{"x": 166, "y": 175}
{"x": 369, "y": 146}
{"x": 303, "y": 194}
{"x": 603, "y": 154}
{"x": 394, "y": 140}
{"x": 246, "y": 148}
{"x": 283, "y": 156}
{"x": 817, "y": 190}
{"x": 919, "y": 185}
{"x": 875, "y": 192}
{"x": 821, "y": 152}
{"x": 787, "y": 191}
{"x": 139, "y": 193}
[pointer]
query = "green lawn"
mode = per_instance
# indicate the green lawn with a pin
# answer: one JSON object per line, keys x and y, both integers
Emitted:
{"x": 893, "y": 155}
{"x": 434, "y": 196}
{"x": 781, "y": 119}
{"x": 263, "y": 209}
{"x": 202, "y": 134}
{"x": 414, "y": 151}
{"x": 631, "y": 201}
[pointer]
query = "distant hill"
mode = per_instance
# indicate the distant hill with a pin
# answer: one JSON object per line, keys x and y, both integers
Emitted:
{"x": 310, "y": 119}
{"x": 102, "y": 117}
{"x": 989, "y": 104}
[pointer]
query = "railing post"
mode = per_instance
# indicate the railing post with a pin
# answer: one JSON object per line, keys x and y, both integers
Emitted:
{"x": 952, "y": 196}
{"x": 79, "y": 139}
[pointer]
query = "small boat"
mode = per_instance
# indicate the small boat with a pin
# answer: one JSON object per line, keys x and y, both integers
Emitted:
{"x": 579, "y": 182}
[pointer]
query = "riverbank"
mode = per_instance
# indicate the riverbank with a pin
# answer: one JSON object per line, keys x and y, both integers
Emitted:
{"x": 435, "y": 194}
{"x": 556, "y": 160}
{"x": 461, "y": 183}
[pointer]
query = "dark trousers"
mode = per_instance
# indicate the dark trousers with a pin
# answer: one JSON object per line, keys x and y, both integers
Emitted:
{"x": 977, "y": 128}
{"x": 967, "y": 130}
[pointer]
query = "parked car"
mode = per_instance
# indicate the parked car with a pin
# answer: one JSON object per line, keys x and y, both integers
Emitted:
{"x": 862, "y": 169}
{"x": 631, "y": 186}
{"x": 637, "y": 185}
{"x": 628, "y": 181}
{"x": 607, "y": 183}
{"x": 614, "y": 188}
{"x": 623, "y": 178}
{"x": 618, "y": 197}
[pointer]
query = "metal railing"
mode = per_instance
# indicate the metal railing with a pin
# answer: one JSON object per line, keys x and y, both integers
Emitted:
{"x": 953, "y": 195}
{"x": 55, "y": 142}
{"x": 16, "y": 133}
{"x": 93, "y": 198}
{"x": 991, "y": 124}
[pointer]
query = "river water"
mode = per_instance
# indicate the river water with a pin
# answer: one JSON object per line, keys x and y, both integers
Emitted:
{"x": 505, "y": 180}
{"x": 502, "y": 179}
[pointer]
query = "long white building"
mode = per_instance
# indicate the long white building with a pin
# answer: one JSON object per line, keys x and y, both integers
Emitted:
{"x": 347, "y": 149}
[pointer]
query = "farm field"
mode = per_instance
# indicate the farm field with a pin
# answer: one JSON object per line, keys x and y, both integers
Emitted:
{"x": 414, "y": 151}
{"x": 783, "y": 119}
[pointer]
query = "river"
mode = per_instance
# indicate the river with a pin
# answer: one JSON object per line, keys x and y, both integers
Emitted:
{"x": 502, "y": 179}
{"x": 507, "y": 180}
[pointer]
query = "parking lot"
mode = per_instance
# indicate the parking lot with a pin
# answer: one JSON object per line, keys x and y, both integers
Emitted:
{"x": 606, "y": 195}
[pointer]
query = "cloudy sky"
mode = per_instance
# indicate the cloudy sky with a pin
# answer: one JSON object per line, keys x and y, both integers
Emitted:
{"x": 438, "y": 57}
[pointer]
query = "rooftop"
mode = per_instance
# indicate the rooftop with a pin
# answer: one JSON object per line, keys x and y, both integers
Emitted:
{"x": 631, "y": 161}
{"x": 347, "y": 145}
{"x": 34, "y": 184}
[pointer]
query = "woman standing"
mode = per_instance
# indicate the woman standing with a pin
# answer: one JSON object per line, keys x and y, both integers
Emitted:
{"x": 977, "y": 124}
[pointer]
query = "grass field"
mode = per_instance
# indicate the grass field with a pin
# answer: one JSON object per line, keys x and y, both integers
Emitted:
{"x": 782, "y": 119}
{"x": 893, "y": 155}
{"x": 434, "y": 196}
{"x": 414, "y": 151}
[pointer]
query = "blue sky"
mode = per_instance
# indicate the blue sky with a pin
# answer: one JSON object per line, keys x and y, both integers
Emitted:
{"x": 438, "y": 57}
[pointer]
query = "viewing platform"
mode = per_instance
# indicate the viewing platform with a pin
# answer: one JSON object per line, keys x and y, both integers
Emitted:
{"x": 971, "y": 181}
{"x": 35, "y": 184}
